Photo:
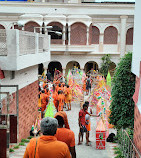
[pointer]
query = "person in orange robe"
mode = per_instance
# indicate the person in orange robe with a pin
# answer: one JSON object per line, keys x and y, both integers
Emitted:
{"x": 55, "y": 98}
{"x": 64, "y": 134}
{"x": 68, "y": 97}
{"x": 44, "y": 101}
{"x": 45, "y": 85}
{"x": 60, "y": 100}
{"x": 47, "y": 92}
{"x": 56, "y": 88}
{"x": 60, "y": 88}
{"x": 47, "y": 145}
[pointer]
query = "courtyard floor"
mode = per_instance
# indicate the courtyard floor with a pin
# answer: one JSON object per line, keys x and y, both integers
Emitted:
{"x": 82, "y": 151}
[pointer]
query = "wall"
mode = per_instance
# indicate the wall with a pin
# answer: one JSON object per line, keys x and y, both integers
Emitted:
{"x": 28, "y": 108}
{"x": 22, "y": 78}
{"x": 137, "y": 115}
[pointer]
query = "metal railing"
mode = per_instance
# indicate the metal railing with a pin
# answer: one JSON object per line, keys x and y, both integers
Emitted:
{"x": 3, "y": 42}
{"x": 127, "y": 146}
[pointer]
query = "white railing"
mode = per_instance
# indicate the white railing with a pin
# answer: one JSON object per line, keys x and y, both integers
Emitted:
{"x": 19, "y": 43}
{"x": 27, "y": 42}
{"x": 3, "y": 42}
{"x": 43, "y": 43}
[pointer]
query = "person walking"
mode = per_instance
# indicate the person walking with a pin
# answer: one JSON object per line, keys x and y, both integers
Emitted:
{"x": 47, "y": 145}
{"x": 64, "y": 134}
{"x": 88, "y": 85}
{"x": 68, "y": 97}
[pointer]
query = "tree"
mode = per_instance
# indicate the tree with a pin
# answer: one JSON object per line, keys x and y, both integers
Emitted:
{"x": 106, "y": 61}
{"x": 123, "y": 88}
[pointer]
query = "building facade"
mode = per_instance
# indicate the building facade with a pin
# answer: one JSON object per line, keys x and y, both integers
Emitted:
{"x": 20, "y": 54}
{"x": 89, "y": 30}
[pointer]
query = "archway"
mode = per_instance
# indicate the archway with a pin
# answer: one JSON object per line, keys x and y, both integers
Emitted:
{"x": 129, "y": 36}
{"x": 110, "y": 35}
{"x": 55, "y": 38}
{"x": 30, "y": 26}
{"x": 94, "y": 34}
{"x": 54, "y": 65}
{"x": 70, "y": 65}
{"x": 112, "y": 69}
{"x": 90, "y": 65}
{"x": 78, "y": 34}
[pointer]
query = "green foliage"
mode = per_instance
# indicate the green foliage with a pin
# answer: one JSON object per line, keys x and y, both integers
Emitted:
{"x": 25, "y": 140}
{"x": 22, "y": 144}
{"x": 11, "y": 150}
{"x": 118, "y": 152}
{"x": 16, "y": 147}
{"x": 106, "y": 61}
{"x": 30, "y": 137}
{"x": 123, "y": 88}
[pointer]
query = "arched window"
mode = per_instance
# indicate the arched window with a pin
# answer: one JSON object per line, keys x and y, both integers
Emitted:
{"x": 55, "y": 35}
{"x": 56, "y": 38}
{"x": 129, "y": 37}
{"x": 95, "y": 35}
{"x": 110, "y": 35}
{"x": 30, "y": 26}
{"x": 78, "y": 34}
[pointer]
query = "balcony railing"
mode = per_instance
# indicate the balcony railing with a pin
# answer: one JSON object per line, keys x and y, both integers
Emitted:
{"x": 21, "y": 49}
{"x": 3, "y": 42}
{"x": 22, "y": 42}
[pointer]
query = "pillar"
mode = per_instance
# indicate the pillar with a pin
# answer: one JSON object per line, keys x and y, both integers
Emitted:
{"x": 87, "y": 35}
{"x": 40, "y": 30}
{"x": 101, "y": 42}
{"x": 69, "y": 29}
{"x": 118, "y": 43}
{"x": 123, "y": 35}
{"x": 23, "y": 28}
{"x": 64, "y": 37}
{"x": 64, "y": 73}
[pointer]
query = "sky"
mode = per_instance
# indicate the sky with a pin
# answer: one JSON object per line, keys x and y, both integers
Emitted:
{"x": 115, "y": 0}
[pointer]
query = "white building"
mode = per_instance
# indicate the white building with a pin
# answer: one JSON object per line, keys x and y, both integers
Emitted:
{"x": 89, "y": 30}
{"x": 20, "y": 54}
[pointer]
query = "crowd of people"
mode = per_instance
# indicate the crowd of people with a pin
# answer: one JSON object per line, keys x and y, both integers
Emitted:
{"x": 57, "y": 140}
{"x": 61, "y": 95}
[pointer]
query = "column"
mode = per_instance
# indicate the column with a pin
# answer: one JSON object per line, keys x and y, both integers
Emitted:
{"x": 23, "y": 28}
{"x": 64, "y": 72}
{"x": 40, "y": 30}
{"x": 87, "y": 35}
{"x": 123, "y": 35}
{"x": 64, "y": 37}
{"x": 69, "y": 29}
{"x": 101, "y": 40}
{"x": 118, "y": 42}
